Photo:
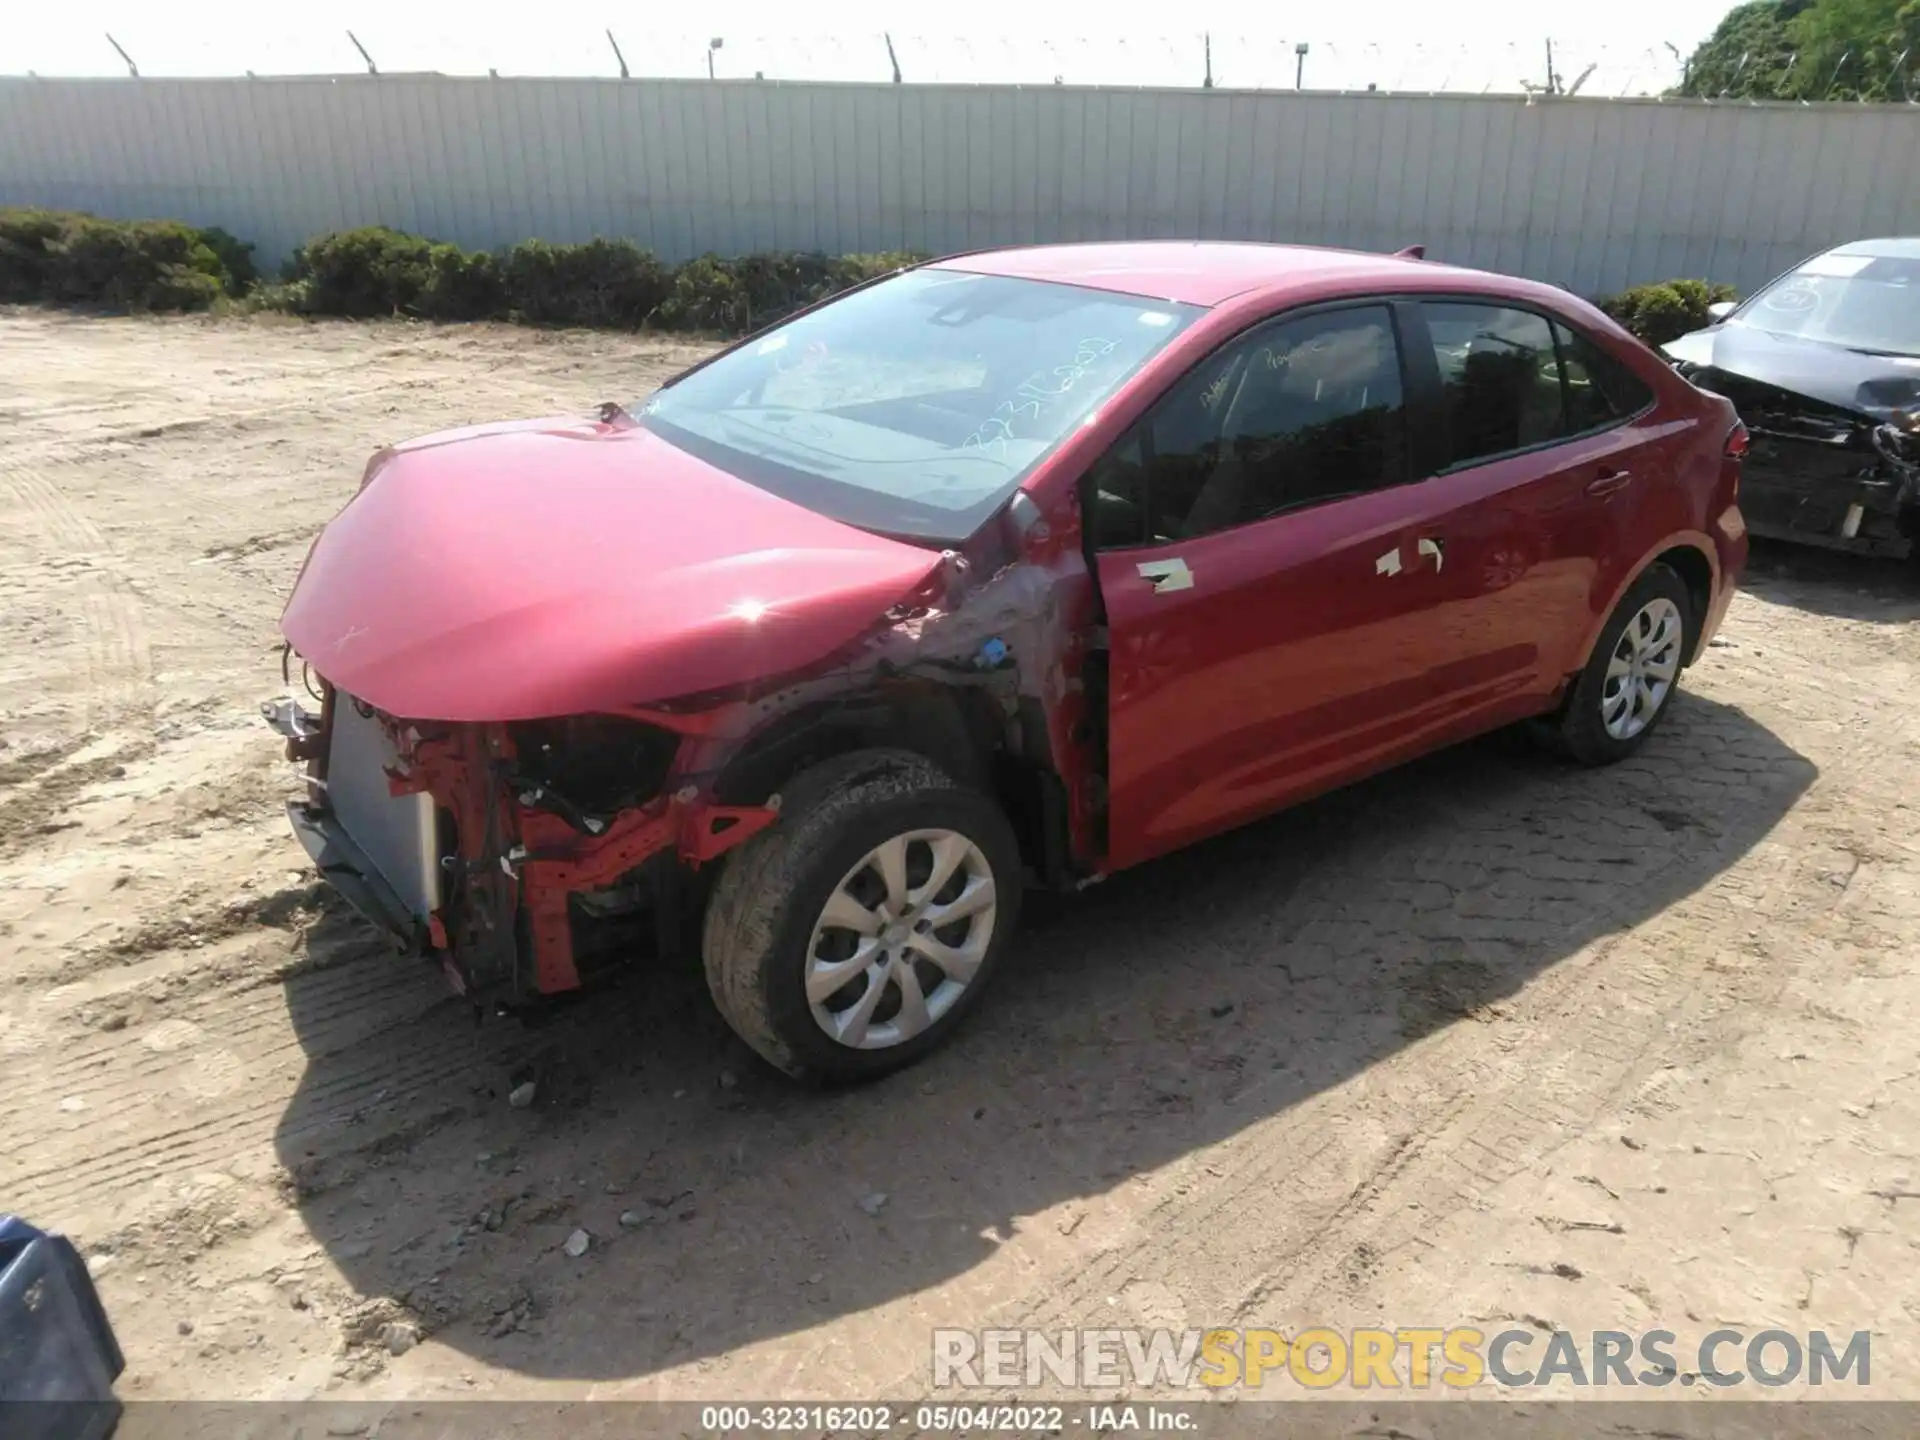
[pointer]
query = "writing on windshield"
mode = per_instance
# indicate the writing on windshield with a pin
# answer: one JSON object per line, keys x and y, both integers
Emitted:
{"x": 1037, "y": 394}
{"x": 1861, "y": 301}
{"x": 915, "y": 406}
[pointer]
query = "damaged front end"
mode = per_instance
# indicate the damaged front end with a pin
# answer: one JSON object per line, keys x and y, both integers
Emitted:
{"x": 1825, "y": 477}
{"x": 1834, "y": 435}
{"x": 530, "y": 857}
{"x": 497, "y": 849}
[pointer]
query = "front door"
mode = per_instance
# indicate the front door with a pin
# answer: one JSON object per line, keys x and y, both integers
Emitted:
{"x": 1261, "y": 566}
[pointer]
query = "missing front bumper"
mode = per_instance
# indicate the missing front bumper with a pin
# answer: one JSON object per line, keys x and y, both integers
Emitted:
{"x": 444, "y": 857}
{"x": 1853, "y": 493}
{"x": 1869, "y": 515}
{"x": 335, "y": 854}
{"x": 346, "y": 867}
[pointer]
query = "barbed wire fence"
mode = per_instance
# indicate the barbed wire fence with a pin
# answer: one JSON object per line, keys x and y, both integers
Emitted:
{"x": 1539, "y": 66}
{"x": 1853, "y": 76}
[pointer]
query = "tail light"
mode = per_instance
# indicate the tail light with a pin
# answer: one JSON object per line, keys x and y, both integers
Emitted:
{"x": 1734, "y": 451}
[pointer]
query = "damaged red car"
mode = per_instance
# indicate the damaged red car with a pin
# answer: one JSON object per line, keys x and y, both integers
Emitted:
{"x": 1013, "y": 569}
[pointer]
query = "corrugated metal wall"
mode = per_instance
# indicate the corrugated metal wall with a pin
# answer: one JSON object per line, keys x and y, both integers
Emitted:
{"x": 1588, "y": 194}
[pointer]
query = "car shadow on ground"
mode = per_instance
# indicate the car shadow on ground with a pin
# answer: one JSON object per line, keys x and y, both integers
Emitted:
{"x": 1827, "y": 582}
{"x": 1157, "y": 1014}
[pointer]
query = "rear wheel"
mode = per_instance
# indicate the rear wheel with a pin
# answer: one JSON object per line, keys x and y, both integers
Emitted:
{"x": 1629, "y": 681}
{"x": 852, "y": 937}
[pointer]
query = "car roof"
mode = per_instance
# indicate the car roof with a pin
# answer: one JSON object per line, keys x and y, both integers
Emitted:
{"x": 1200, "y": 272}
{"x": 1891, "y": 247}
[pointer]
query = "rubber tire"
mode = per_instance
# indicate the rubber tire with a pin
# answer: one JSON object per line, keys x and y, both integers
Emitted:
{"x": 772, "y": 889}
{"x": 1577, "y": 731}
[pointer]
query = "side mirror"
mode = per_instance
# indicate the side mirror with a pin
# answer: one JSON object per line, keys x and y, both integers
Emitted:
{"x": 1721, "y": 309}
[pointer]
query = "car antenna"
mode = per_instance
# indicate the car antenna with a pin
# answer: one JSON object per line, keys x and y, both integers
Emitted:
{"x": 1412, "y": 252}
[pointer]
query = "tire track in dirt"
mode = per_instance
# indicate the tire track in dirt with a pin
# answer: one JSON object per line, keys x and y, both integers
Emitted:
{"x": 227, "y": 1066}
{"x": 1583, "y": 1042}
{"x": 29, "y": 813}
{"x": 357, "y": 1010}
{"x": 167, "y": 413}
{"x": 187, "y": 926}
{"x": 1341, "y": 1183}
{"x": 119, "y": 663}
{"x": 38, "y": 762}
{"x": 259, "y": 544}
{"x": 368, "y": 1032}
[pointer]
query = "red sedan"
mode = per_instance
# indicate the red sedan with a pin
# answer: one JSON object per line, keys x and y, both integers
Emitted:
{"x": 1015, "y": 568}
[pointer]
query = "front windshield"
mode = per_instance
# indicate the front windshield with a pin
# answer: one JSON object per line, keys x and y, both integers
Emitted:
{"x": 1864, "y": 302}
{"x": 915, "y": 406}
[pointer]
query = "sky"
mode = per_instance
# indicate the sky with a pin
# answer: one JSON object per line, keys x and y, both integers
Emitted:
{"x": 1626, "y": 47}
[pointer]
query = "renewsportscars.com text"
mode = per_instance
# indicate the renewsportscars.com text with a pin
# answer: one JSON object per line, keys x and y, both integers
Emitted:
{"x": 1404, "y": 1358}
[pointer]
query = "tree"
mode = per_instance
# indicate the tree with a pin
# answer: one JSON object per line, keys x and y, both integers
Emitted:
{"x": 1750, "y": 53}
{"x": 1811, "y": 50}
{"x": 1858, "y": 49}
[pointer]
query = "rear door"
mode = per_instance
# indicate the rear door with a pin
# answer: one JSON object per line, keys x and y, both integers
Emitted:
{"x": 1257, "y": 558}
{"x": 1533, "y": 476}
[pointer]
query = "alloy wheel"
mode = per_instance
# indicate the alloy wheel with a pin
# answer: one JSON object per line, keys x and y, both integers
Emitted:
{"x": 1641, "y": 672}
{"x": 900, "y": 938}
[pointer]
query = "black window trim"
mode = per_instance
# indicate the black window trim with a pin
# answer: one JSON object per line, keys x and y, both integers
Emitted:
{"x": 1141, "y": 429}
{"x": 1422, "y": 393}
{"x": 1653, "y": 396}
{"x": 1555, "y": 323}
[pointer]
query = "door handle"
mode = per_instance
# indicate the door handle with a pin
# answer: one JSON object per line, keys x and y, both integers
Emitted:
{"x": 1167, "y": 575}
{"x": 1608, "y": 481}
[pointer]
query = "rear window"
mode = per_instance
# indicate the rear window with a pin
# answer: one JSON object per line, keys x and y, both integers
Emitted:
{"x": 1600, "y": 388}
{"x": 916, "y": 406}
{"x": 1511, "y": 380}
{"x": 1499, "y": 378}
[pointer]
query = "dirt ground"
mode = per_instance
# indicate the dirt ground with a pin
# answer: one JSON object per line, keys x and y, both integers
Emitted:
{"x": 1486, "y": 1040}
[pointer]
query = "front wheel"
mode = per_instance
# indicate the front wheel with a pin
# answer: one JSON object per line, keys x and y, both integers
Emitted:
{"x": 1629, "y": 681}
{"x": 853, "y": 936}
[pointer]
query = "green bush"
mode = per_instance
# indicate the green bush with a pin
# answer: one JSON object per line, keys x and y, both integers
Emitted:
{"x": 606, "y": 283}
{"x": 364, "y": 273}
{"x": 612, "y": 284}
{"x": 706, "y": 295}
{"x": 373, "y": 271}
{"x": 771, "y": 285}
{"x": 26, "y": 254}
{"x": 135, "y": 265}
{"x": 56, "y": 257}
{"x": 712, "y": 293}
{"x": 288, "y": 297}
{"x": 1665, "y": 311}
{"x": 75, "y": 259}
{"x": 237, "y": 273}
{"x": 462, "y": 285}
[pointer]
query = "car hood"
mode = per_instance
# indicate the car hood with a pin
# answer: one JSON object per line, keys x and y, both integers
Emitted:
{"x": 1863, "y": 385}
{"x": 540, "y": 568}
